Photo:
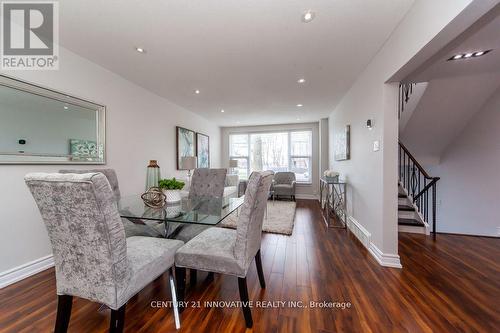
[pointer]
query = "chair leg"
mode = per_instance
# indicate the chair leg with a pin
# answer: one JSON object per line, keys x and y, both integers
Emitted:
{"x": 247, "y": 312}
{"x": 117, "y": 321}
{"x": 64, "y": 304}
{"x": 173, "y": 291}
{"x": 260, "y": 272}
{"x": 180, "y": 277}
{"x": 193, "y": 277}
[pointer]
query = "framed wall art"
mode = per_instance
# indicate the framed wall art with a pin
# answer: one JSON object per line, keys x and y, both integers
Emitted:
{"x": 203, "y": 150}
{"x": 186, "y": 145}
{"x": 342, "y": 144}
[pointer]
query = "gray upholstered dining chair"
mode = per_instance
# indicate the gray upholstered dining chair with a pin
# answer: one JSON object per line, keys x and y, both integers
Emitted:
{"x": 110, "y": 176}
{"x": 206, "y": 183}
{"x": 93, "y": 259}
{"x": 132, "y": 228}
{"x": 284, "y": 184}
{"x": 230, "y": 251}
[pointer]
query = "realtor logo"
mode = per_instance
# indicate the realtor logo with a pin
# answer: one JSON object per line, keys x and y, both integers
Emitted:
{"x": 30, "y": 35}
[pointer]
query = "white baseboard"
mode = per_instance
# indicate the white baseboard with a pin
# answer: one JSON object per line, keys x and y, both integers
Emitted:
{"x": 307, "y": 196}
{"x": 359, "y": 231}
{"x": 385, "y": 259}
{"x": 364, "y": 236}
{"x": 22, "y": 272}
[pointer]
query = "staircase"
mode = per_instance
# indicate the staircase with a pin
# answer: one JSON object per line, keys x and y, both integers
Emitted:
{"x": 409, "y": 219}
{"x": 416, "y": 188}
{"x": 416, "y": 195}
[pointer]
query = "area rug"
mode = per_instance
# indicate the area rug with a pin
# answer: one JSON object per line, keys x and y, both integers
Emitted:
{"x": 280, "y": 218}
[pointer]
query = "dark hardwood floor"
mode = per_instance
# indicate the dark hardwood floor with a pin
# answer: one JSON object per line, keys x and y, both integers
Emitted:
{"x": 451, "y": 284}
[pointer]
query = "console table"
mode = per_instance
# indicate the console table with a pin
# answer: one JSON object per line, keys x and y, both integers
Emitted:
{"x": 333, "y": 201}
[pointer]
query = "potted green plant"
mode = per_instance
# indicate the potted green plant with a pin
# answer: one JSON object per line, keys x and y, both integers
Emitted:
{"x": 171, "y": 188}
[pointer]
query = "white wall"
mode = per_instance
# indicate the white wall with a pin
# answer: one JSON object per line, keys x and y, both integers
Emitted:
{"x": 140, "y": 127}
{"x": 303, "y": 190}
{"x": 468, "y": 191}
{"x": 372, "y": 176}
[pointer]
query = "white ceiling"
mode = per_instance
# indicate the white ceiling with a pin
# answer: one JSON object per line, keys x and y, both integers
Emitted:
{"x": 482, "y": 35}
{"x": 244, "y": 56}
{"x": 456, "y": 90}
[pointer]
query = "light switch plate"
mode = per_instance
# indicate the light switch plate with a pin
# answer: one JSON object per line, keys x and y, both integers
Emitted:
{"x": 376, "y": 145}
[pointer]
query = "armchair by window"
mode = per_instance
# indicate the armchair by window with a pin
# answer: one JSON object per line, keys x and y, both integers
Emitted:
{"x": 284, "y": 184}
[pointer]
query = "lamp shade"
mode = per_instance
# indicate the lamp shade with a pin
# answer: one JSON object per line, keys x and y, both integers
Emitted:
{"x": 233, "y": 163}
{"x": 188, "y": 162}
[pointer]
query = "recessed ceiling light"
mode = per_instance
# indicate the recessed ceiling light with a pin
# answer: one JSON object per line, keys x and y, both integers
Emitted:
{"x": 301, "y": 80}
{"x": 140, "y": 50}
{"x": 469, "y": 55}
{"x": 222, "y": 110}
{"x": 298, "y": 118}
{"x": 299, "y": 105}
{"x": 65, "y": 108}
{"x": 308, "y": 16}
{"x": 197, "y": 92}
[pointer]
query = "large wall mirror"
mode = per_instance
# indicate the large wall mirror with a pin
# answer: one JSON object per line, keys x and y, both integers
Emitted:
{"x": 43, "y": 126}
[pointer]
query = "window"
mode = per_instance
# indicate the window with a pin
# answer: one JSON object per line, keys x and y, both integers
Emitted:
{"x": 300, "y": 155}
{"x": 276, "y": 151}
{"x": 238, "y": 150}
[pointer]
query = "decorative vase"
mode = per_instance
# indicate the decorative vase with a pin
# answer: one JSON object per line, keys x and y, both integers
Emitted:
{"x": 172, "y": 195}
{"x": 332, "y": 179}
{"x": 173, "y": 210}
{"x": 152, "y": 174}
{"x": 331, "y": 175}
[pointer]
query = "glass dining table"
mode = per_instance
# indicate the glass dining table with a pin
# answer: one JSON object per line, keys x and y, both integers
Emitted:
{"x": 171, "y": 218}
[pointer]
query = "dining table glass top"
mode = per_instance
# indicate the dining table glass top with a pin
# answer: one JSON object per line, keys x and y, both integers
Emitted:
{"x": 198, "y": 210}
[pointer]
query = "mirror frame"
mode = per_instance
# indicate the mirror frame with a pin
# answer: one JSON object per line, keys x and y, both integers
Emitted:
{"x": 53, "y": 159}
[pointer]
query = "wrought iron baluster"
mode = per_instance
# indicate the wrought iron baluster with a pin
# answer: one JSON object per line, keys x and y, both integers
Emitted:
{"x": 434, "y": 209}
{"x": 419, "y": 185}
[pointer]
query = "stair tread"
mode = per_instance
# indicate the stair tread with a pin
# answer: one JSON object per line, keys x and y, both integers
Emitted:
{"x": 406, "y": 208}
{"x": 411, "y": 222}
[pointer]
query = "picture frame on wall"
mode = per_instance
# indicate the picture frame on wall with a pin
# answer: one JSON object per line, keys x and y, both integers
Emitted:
{"x": 186, "y": 144}
{"x": 203, "y": 150}
{"x": 342, "y": 144}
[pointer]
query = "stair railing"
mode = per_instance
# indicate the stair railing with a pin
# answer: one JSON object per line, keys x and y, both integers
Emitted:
{"x": 405, "y": 91}
{"x": 421, "y": 187}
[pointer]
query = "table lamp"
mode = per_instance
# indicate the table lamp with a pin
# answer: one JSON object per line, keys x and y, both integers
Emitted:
{"x": 232, "y": 165}
{"x": 188, "y": 163}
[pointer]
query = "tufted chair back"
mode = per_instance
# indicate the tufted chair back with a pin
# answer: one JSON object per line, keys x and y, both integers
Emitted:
{"x": 249, "y": 227}
{"x": 110, "y": 175}
{"x": 284, "y": 178}
{"x": 207, "y": 183}
{"x": 85, "y": 231}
